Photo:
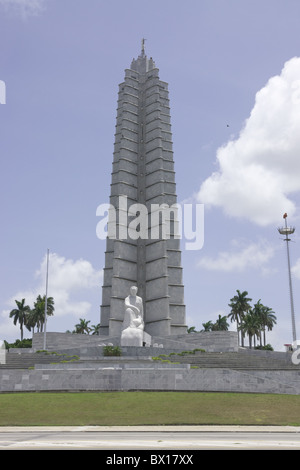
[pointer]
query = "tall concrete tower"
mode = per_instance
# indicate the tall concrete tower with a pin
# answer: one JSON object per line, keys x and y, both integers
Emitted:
{"x": 143, "y": 173}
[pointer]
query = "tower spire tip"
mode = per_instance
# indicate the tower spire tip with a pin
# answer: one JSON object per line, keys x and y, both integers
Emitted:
{"x": 143, "y": 46}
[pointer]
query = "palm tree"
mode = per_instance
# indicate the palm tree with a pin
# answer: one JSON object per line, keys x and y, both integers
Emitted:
{"x": 268, "y": 320}
{"x": 191, "y": 329}
{"x": 207, "y": 326}
{"x": 221, "y": 324}
{"x": 257, "y": 313}
{"x": 239, "y": 307}
{"x": 38, "y": 312}
{"x": 82, "y": 327}
{"x": 251, "y": 326}
{"x": 20, "y": 314}
{"x": 95, "y": 329}
{"x": 31, "y": 321}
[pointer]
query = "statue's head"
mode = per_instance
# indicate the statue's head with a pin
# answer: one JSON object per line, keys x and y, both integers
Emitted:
{"x": 133, "y": 290}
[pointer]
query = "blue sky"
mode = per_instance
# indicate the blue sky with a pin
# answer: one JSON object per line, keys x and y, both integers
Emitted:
{"x": 233, "y": 69}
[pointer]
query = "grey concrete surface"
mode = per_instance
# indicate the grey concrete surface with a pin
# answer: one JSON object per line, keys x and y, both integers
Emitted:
{"x": 153, "y": 438}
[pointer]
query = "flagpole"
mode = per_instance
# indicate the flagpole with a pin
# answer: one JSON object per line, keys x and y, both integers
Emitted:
{"x": 46, "y": 298}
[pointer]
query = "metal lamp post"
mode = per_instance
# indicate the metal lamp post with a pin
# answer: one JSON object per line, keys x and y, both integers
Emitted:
{"x": 46, "y": 300}
{"x": 289, "y": 231}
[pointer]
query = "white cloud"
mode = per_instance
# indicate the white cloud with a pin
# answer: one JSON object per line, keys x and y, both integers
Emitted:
{"x": 259, "y": 172}
{"x": 7, "y": 327}
{"x": 69, "y": 283}
{"x": 241, "y": 257}
{"x": 24, "y": 8}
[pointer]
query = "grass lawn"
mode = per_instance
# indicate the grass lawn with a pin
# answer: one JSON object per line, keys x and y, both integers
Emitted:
{"x": 147, "y": 408}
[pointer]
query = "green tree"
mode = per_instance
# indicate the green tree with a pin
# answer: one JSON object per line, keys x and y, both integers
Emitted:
{"x": 82, "y": 327}
{"x": 270, "y": 320}
{"x": 192, "y": 329}
{"x": 95, "y": 329}
{"x": 31, "y": 321}
{"x": 240, "y": 306}
{"x": 251, "y": 326}
{"x": 256, "y": 312}
{"x": 20, "y": 314}
{"x": 207, "y": 326}
{"x": 221, "y": 324}
{"x": 38, "y": 312}
{"x": 267, "y": 319}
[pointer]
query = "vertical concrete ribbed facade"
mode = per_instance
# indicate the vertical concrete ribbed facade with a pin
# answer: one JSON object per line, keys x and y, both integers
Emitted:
{"x": 143, "y": 171}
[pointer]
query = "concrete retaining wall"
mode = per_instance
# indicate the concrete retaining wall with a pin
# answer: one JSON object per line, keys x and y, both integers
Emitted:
{"x": 57, "y": 341}
{"x": 135, "y": 371}
{"x": 206, "y": 380}
{"x": 212, "y": 341}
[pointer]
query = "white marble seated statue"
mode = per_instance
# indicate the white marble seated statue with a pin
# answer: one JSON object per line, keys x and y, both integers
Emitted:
{"x": 133, "y": 323}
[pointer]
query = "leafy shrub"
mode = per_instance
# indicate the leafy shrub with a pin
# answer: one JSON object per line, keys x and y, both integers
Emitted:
{"x": 25, "y": 343}
{"x": 160, "y": 359}
{"x": 112, "y": 351}
{"x": 267, "y": 347}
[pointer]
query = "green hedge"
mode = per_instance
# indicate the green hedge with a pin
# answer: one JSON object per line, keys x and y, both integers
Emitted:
{"x": 112, "y": 351}
{"x": 25, "y": 343}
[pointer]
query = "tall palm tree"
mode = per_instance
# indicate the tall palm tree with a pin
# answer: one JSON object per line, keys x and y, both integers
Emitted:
{"x": 20, "y": 314}
{"x": 39, "y": 311}
{"x": 207, "y": 326}
{"x": 221, "y": 324}
{"x": 82, "y": 327}
{"x": 240, "y": 306}
{"x": 191, "y": 329}
{"x": 31, "y": 321}
{"x": 95, "y": 329}
{"x": 251, "y": 326}
{"x": 268, "y": 320}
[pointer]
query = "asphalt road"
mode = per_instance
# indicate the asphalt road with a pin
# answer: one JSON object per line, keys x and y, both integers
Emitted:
{"x": 158, "y": 439}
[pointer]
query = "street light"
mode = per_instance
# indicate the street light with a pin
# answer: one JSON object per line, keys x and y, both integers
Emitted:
{"x": 289, "y": 231}
{"x": 46, "y": 301}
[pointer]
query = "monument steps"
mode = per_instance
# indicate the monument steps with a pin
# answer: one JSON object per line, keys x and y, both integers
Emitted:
{"x": 26, "y": 360}
{"x": 221, "y": 360}
{"x": 233, "y": 360}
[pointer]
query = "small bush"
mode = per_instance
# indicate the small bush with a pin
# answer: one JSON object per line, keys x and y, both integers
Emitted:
{"x": 112, "y": 351}
{"x": 25, "y": 343}
{"x": 166, "y": 361}
{"x": 267, "y": 347}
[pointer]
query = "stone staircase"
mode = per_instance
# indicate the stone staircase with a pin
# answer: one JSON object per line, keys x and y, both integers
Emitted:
{"x": 222, "y": 360}
{"x": 27, "y": 360}
{"x": 234, "y": 360}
